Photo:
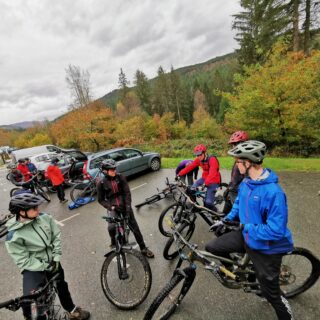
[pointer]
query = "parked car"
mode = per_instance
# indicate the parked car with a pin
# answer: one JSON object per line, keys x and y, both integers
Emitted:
{"x": 33, "y": 151}
{"x": 43, "y": 160}
{"x": 129, "y": 161}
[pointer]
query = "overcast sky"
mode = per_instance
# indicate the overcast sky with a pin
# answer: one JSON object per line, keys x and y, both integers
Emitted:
{"x": 40, "y": 38}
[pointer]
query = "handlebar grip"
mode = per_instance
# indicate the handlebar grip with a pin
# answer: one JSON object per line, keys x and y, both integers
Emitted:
{"x": 6, "y": 303}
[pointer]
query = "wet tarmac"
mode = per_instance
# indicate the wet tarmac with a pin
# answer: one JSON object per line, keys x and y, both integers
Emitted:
{"x": 85, "y": 241}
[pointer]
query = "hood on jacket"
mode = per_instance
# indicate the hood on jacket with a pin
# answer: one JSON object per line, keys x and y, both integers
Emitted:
{"x": 267, "y": 177}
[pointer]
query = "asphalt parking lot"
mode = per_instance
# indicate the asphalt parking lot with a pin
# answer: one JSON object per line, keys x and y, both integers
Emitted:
{"x": 85, "y": 241}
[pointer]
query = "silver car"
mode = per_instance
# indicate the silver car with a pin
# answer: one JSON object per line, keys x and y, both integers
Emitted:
{"x": 129, "y": 161}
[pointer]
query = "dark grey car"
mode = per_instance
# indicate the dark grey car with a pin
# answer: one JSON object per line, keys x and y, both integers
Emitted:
{"x": 129, "y": 161}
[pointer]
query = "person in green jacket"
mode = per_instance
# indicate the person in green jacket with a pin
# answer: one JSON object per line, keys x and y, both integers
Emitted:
{"x": 34, "y": 243}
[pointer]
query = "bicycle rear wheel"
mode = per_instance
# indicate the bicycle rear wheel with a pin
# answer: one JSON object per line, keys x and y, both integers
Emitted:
{"x": 171, "y": 252}
{"x": 175, "y": 210}
{"x": 82, "y": 190}
{"x": 170, "y": 297}
{"x": 130, "y": 292}
{"x": 300, "y": 269}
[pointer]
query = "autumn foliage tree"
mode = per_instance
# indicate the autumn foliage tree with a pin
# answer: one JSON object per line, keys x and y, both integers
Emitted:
{"x": 279, "y": 101}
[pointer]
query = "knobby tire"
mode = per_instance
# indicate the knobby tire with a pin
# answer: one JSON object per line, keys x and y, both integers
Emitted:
{"x": 145, "y": 281}
{"x": 42, "y": 193}
{"x": 165, "y": 214}
{"x": 175, "y": 298}
{"x": 186, "y": 229}
{"x": 299, "y": 264}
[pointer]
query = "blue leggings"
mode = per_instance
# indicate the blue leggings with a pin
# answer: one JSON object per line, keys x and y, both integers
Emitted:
{"x": 210, "y": 194}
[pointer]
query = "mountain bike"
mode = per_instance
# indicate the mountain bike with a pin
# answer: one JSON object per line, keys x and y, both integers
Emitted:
{"x": 300, "y": 270}
{"x": 125, "y": 275}
{"x": 86, "y": 188}
{"x": 41, "y": 302}
{"x": 168, "y": 191}
{"x": 38, "y": 189}
{"x": 3, "y": 228}
{"x": 178, "y": 213}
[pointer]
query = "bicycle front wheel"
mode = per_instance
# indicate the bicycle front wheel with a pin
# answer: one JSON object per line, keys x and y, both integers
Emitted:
{"x": 169, "y": 298}
{"x": 126, "y": 292}
{"x": 173, "y": 213}
{"x": 42, "y": 193}
{"x": 171, "y": 251}
{"x": 300, "y": 270}
{"x": 13, "y": 190}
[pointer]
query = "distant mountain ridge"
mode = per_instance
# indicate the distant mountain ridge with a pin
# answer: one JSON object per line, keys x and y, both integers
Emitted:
{"x": 111, "y": 98}
{"x": 21, "y": 125}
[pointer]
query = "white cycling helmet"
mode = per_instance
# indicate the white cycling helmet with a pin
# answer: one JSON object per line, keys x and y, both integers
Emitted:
{"x": 252, "y": 150}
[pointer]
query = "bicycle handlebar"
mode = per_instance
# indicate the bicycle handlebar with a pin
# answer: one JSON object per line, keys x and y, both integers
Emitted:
{"x": 215, "y": 213}
{"x": 114, "y": 219}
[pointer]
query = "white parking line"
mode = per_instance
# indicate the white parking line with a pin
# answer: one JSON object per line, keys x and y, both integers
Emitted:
{"x": 141, "y": 185}
{"x": 60, "y": 223}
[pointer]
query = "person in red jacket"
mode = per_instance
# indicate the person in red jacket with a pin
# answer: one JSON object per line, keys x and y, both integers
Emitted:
{"x": 23, "y": 168}
{"x": 55, "y": 175}
{"x": 210, "y": 173}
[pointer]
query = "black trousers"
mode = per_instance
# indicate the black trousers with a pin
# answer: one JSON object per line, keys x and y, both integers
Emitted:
{"x": 189, "y": 177}
{"x": 33, "y": 280}
{"x": 133, "y": 225}
{"x": 60, "y": 191}
{"x": 267, "y": 268}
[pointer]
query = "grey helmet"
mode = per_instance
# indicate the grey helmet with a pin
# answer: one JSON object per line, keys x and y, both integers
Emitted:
{"x": 108, "y": 164}
{"x": 252, "y": 150}
{"x": 24, "y": 201}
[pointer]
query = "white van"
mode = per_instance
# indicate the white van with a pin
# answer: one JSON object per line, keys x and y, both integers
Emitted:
{"x": 29, "y": 152}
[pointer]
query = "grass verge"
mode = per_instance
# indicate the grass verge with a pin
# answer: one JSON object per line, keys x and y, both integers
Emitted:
{"x": 276, "y": 164}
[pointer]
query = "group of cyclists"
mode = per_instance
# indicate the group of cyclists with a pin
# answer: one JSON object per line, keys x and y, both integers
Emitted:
{"x": 254, "y": 198}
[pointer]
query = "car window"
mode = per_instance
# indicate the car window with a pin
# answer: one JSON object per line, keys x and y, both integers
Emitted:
{"x": 95, "y": 163}
{"x": 130, "y": 153}
{"x": 117, "y": 156}
{"x": 53, "y": 149}
{"x": 76, "y": 154}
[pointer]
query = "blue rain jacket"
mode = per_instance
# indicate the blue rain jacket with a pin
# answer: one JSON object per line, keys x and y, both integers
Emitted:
{"x": 261, "y": 206}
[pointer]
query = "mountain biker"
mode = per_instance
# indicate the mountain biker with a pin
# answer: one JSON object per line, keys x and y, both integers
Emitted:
{"x": 189, "y": 175}
{"x": 56, "y": 177}
{"x": 114, "y": 195}
{"x": 261, "y": 207}
{"x": 236, "y": 176}
{"x": 210, "y": 173}
{"x": 23, "y": 168}
{"x": 32, "y": 168}
{"x": 17, "y": 178}
{"x": 34, "y": 243}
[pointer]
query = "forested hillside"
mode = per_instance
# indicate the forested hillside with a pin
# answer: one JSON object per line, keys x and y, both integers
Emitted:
{"x": 270, "y": 87}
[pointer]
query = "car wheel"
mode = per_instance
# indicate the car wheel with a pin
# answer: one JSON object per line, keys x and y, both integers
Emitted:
{"x": 155, "y": 164}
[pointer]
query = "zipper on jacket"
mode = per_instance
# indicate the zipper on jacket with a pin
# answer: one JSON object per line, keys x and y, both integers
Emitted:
{"x": 247, "y": 213}
{"x": 42, "y": 241}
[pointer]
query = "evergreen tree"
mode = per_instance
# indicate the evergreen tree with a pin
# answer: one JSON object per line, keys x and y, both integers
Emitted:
{"x": 258, "y": 27}
{"x": 143, "y": 91}
{"x": 161, "y": 103}
{"x": 123, "y": 85}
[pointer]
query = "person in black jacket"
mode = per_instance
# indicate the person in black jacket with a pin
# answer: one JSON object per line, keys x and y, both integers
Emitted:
{"x": 114, "y": 195}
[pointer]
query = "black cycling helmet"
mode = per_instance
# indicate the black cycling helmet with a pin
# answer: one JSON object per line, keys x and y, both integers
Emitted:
{"x": 108, "y": 164}
{"x": 27, "y": 159}
{"x": 24, "y": 201}
{"x": 21, "y": 160}
{"x": 252, "y": 150}
{"x": 55, "y": 160}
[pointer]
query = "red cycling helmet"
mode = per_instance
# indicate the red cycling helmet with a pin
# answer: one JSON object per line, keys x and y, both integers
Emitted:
{"x": 238, "y": 136}
{"x": 199, "y": 149}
